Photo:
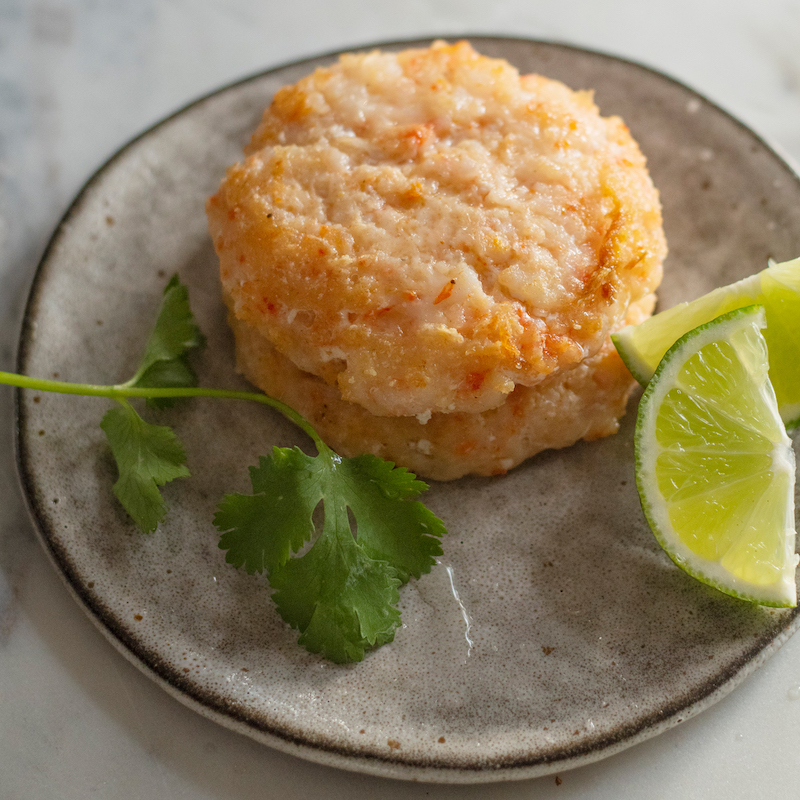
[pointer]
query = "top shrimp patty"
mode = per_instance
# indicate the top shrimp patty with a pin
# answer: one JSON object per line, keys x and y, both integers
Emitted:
{"x": 426, "y": 230}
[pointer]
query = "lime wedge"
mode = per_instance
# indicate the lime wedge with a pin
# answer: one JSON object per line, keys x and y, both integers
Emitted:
{"x": 776, "y": 288}
{"x": 714, "y": 467}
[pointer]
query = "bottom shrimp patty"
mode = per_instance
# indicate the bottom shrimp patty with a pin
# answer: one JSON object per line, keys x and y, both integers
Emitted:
{"x": 584, "y": 402}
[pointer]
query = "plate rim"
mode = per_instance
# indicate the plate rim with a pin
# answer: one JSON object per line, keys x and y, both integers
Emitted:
{"x": 234, "y": 719}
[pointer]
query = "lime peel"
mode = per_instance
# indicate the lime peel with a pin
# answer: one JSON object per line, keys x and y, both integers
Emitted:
{"x": 708, "y": 424}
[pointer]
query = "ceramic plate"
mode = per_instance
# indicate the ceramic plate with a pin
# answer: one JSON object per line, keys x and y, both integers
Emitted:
{"x": 553, "y": 632}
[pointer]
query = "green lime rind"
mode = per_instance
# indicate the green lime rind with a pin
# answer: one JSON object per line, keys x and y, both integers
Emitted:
{"x": 777, "y": 288}
{"x": 782, "y": 592}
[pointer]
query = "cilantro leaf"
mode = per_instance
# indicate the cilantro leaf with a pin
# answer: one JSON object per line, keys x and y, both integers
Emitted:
{"x": 147, "y": 456}
{"x": 406, "y": 534}
{"x": 165, "y": 361}
{"x": 264, "y": 528}
{"x": 342, "y": 601}
{"x": 342, "y": 594}
{"x": 177, "y": 373}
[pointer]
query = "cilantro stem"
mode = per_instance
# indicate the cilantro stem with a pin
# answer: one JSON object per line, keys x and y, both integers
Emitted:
{"x": 122, "y": 391}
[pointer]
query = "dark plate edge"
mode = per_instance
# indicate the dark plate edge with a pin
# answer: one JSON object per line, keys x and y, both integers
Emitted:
{"x": 291, "y": 742}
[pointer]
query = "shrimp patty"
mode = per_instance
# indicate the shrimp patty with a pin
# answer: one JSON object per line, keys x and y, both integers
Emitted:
{"x": 430, "y": 233}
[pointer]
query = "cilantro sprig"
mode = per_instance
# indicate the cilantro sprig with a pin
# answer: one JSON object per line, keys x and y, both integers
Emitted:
{"x": 342, "y": 592}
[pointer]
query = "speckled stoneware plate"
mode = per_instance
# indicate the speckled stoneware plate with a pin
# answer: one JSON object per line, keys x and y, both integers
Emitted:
{"x": 554, "y": 631}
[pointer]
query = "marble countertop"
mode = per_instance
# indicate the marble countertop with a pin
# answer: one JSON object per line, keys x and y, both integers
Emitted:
{"x": 78, "y": 79}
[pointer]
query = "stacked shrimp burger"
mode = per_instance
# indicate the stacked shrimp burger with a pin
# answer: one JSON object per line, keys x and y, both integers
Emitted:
{"x": 425, "y": 254}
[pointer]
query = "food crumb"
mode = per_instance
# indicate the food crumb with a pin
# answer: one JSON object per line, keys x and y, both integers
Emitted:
{"x": 424, "y": 446}
{"x": 424, "y": 416}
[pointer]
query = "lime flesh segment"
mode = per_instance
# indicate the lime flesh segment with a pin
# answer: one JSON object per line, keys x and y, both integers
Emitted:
{"x": 714, "y": 467}
{"x": 777, "y": 288}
